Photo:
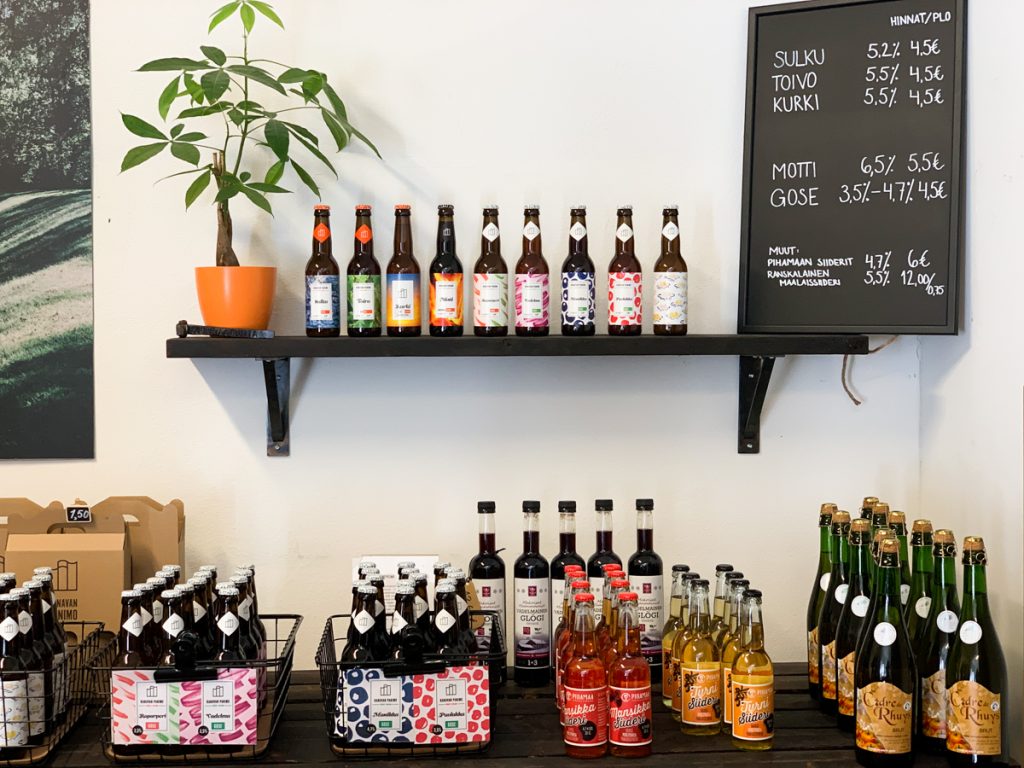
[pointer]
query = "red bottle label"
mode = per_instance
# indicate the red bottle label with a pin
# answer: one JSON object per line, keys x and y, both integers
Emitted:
{"x": 585, "y": 716}
{"x": 629, "y": 710}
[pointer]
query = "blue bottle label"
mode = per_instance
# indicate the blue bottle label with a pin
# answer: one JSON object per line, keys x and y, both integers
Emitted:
{"x": 577, "y": 298}
{"x": 323, "y": 302}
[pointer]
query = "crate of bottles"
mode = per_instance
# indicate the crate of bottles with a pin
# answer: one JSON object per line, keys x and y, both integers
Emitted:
{"x": 41, "y": 703}
{"x": 409, "y": 692}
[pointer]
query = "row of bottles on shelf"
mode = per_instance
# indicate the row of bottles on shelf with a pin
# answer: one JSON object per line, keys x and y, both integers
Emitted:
{"x": 392, "y": 301}
{"x": 892, "y": 653}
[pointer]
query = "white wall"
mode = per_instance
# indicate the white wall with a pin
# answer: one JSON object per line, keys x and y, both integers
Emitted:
{"x": 971, "y": 386}
{"x": 470, "y": 103}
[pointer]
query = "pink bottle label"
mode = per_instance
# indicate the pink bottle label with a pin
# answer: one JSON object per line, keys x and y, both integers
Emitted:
{"x": 533, "y": 296}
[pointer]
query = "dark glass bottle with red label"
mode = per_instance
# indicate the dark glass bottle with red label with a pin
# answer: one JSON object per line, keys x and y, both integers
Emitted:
{"x": 487, "y": 570}
{"x": 531, "y": 635}
{"x": 323, "y": 280}
{"x": 646, "y": 579}
{"x": 446, "y": 279}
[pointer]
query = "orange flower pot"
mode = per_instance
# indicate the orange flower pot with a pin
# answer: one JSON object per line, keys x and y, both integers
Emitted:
{"x": 236, "y": 297}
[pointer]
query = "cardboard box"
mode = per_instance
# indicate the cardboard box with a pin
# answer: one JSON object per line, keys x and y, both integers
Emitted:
{"x": 157, "y": 539}
{"x": 89, "y": 570}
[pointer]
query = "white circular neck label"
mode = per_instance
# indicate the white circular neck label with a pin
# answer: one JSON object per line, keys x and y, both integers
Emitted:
{"x": 904, "y": 593}
{"x": 444, "y": 621}
{"x": 670, "y": 231}
{"x": 624, "y": 232}
{"x": 491, "y": 232}
{"x": 860, "y": 606}
{"x": 923, "y": 606}
{"x": 824, "y": 581}
{"x": 970, "y": 632}
{"x": 947, "y": 622}
{"x": 530, "y": 231}
{"x": 841, "y": 592}
{"x": 228, "y": 624}
{"x": 885, "y": 634}
{"x": 577, "y": 231}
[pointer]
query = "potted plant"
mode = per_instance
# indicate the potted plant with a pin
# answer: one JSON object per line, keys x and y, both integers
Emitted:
{"x": 223, "y": 90}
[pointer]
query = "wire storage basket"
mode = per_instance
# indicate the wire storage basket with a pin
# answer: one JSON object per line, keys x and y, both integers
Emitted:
{"x": 202, "y": 712}
{"x": 38, "y": 709}
{"x": 421, "y": 706}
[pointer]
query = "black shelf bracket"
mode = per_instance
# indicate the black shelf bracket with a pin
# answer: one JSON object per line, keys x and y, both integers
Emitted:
{"x": 277, "y": 377}
{"x": 755, "y": 375}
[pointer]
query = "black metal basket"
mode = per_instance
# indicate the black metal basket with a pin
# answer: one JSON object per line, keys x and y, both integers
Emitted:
{"x": 273, "y": 676}
{"x": 69, "y": 697}
{"x": 332, "y": 681}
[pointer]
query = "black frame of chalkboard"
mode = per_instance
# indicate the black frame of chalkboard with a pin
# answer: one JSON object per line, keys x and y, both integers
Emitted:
{"x": 954, "y": 299}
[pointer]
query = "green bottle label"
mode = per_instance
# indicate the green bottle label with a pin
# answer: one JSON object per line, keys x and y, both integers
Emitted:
{"x": 364, "y": 301}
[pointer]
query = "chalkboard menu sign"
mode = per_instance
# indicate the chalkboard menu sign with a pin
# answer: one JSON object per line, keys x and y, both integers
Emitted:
{"x": 852, "y": 168}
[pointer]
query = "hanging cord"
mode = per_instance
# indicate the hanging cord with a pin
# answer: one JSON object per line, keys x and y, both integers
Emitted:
{"x": 846, "y": 370}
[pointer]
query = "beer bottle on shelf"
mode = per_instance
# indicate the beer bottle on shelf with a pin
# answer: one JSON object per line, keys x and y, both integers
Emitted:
{"x": 403, "y": 279}
{"x": 34, "y": 666}
{"x": 604, "y": 554}
{"x": 261, "y": 630}
{"x": 131, "y": 648}
{"x": 898, "y": 524}
{"x": 201, "y": 609}
{"x": 362, "y": 280}
{"x": 359, "y": 646}
{"x": 466, "y": 635}
{"x": 630, "y": 713}
{"x": 852, "y": 618}
{"x": 578, "y": 275}
{"x": 250, "y": 637}
{"x": 585, "y": 716}
{"x": 647, "y": 581}
{"x": 227, "y": 626}
{"x": 532, "y": 606}
{"x": 976, "y": 682}
{"x": 447, "y": 637}
{"x": 57, "y": 640}
{"x": 932, "y": 648}
{"x": 490, "y": 281}
{"x": 671, "y": 279}
{"x": 668, "y": 632}
{"x": 722, "y": 571}
{"x": 188, "y": 597}
{"x": 532, "y": 287}
{"x": 446, "y": 288}
{"x": 44, "y": 648}
{"x": 730, "y": 619}
{"x": 422, "y": 605}
{"x": 609, "y": 653}
{"x": 567, "y": 555}
{"x": 403, "y": 621}
{"x": 603, "y": 628}
{"x": 323, "y": 288}
{"x": 920, "y": 602}
{"x": 818, "y": 590}
{"x": 40, "y": 685}
{"x": 831, "y": 609}
{"x": 700, "y": 670}
{"x": 625, "y": 281}
{"x": 379, "y": 636}
{"x": 487, "y": 570}
{"x": 678, "y": 643}
{"x": 867, "y": 507}
{"x": 730, "y": 648}
{"x": 885, "y": 676}
{"x": 13, "y": 676}
{"x": 753, "y": 682}
{"x": 563, "y": 642}
{"x": 172, "y": 626}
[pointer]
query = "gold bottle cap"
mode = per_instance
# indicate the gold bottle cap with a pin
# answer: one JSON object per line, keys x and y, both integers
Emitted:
{"x": 880, "y": 535}
{"x": 922, "y": 526}
{"x": 897, "y": 517}
{"x": 841, "y": 516}
{"x": 825, "y": 516}
{"x": 890, "y": 545}
{"x": 944, "y": 543}
{"x": 974, "y": 544}
{"x": 944, "y": 536}
{"x": 860, "y": 525}
{"x": 880, "y": 507}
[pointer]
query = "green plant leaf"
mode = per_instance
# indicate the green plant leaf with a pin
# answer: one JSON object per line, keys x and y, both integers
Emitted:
{"x": 227, "y": 192}
{"x": 213, "y": 109}
{"x": 250, "y": 106}
{"x": 167, "y": 97}
{"x": 311, "y": 86}
{"x": 216, "y": 55}
{"x": 140, "y": 127}
{"x": 275, "y": 172}
{"x": 306, "y": 179}
{"x": 293, "y": 75}
{"x": 259, "y": 75}
{"x": 222, "y": 13}
{"x": 336, "y": 103}
{"x": 244, "y": 176}
{"x": 267, "y": 11}
{"x": 138, "y": 155}
{"x": 316, "y": 153}
{"x": 276, "y": 134}
{"x": 351, "y": 129}
{"x": 174, "y": 63}
{"x": 214, "y": 84}
{"x": 193, "y": 88}
{"x": 268, "y": 188}
{"x": 248, "y": 18}
{"x": 186, "y": 152}
{"x": 236, "y": 117}
{"x": 191, "y": 136}
{"x": 339, "y": 133}
{"x": 258, "y": 200}
{"x": 176, "y": 130}
{"x": 304, "y": 132}
{"x": 189, "y": 172}
{"x": 196, "y": 188}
